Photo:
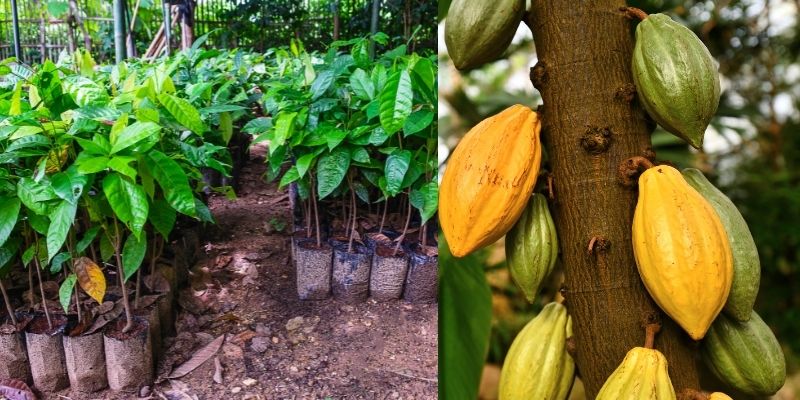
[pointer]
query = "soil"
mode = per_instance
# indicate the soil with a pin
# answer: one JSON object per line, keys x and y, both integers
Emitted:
{"x": 277, "y": 346}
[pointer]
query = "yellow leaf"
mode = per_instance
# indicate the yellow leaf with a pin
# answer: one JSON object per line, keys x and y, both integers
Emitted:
{"x": 91, "y": 278}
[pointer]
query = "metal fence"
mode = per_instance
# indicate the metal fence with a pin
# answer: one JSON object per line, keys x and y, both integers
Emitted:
{"x": 232, "y": 23}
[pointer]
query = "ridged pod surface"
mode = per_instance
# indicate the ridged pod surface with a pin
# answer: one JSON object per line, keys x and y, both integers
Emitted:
{"x": 489, "y": 179}
{"x": 479, "y": 31}
{"x": 746, "y": 266}
{"x": 745, "y": 355}
{"x": 676, "y": 77}
{"x": 719, "y": 396}
{"x": 532, "y": 247}
{"x": 642, "y": 375}
{"x": 537, "y": 365}
{"x": 681, "y": 250}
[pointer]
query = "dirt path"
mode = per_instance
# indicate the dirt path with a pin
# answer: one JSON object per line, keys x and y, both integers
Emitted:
{"x": 276, "y": 346}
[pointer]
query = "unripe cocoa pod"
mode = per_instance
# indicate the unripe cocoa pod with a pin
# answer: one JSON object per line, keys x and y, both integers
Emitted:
{"x": 719, "y": 396}
{"x": 745, "y": 355}
{"x": 479, "y": 31}
{"x": 676, "y": 77}
{"x": 681, "y": 250}
{"x": 489, "y": 179}
{"x": 532, "y": 247}
{"x": 746, "y": 266}
{"x": 537, "y": 365}
{"x": 642, "y": 375}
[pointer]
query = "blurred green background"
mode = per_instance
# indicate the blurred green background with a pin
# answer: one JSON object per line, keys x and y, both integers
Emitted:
{"x": 751, "y": 152}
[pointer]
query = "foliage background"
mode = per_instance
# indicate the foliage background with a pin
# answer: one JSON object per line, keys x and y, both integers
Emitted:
{"x": 752, "y": 152}
{"x": 251, "y": 24}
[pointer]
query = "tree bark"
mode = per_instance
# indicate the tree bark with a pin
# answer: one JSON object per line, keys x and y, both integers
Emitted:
{"x": 591, "y": 123}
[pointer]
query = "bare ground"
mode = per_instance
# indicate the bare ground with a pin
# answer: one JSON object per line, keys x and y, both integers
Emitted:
{"x": 276, "y": 346}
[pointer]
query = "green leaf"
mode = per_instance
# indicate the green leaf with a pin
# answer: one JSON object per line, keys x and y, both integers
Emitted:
{"x": 304, "y": 163}
{"x": 65, "y": 291}
{"x": 220, "y": 108}
{"x": 395, "y": 170}
{"x": 87, "y": 239}
{"x": 106, "y": 248}
{"x": 465, "y": 322}
{"x": 9, "y": 212}
{"x": 226, "y": 126}
{"x": 321, "y": 84}
{"x": 120, "y": 124}
{"x": 173, "y": 181}
{"x": 133, "y": 254}
{"x": 134, "y": 134}
{"x": 120, "y": 164}
{"x": 33, "y": 195}
{"x": 284, "y": 128}
{"x": 417, "y": 121}
{"x": 362, "y": 85}
{"x": 426, "y": 200}
{"x": 290, "y": 176}
{"x": 162, "y": 217}
{"x": 58, "y": 260}
{"x": 85, "y": 91}
{"x": 396, "y": 101}
{"x": 331, "y": 170}
{"x": 92, "y": 165}
{"x": 60, "y": 222}
{"x": 128, "y": 201}
{"x": 183, "y": 112}
{"x": 335, "y": 137}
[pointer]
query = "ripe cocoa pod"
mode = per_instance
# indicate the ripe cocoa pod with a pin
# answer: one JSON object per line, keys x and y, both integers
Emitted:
{"x": 532, "y": 247}
{"x": 745, "y": 355}
{"x": 681, "y": 250}
{"x": 642, "y": 375}
{"x": 478, "y": 31}
{"x": 676, "y": 77}
{"x": 746, "y": 266}
{"x": 719, "y": 396}
{"x": 489, "y": 179}
{"x": 537, "y": 365}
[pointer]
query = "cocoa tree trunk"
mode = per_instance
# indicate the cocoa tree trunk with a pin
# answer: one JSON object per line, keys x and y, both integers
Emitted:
{"x": 592, "y": 122}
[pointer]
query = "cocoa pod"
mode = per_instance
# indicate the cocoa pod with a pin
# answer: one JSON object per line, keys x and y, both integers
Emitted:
{"x": 745, "y": 355}
{"x": 642, "y": 375}
{"x": 532, "y": 247}
{"x": 676, "y": 77}
{"x": 478, "y": 31}
{"x": 681, "y": 250}
{"x": 489, "y": 179}
{"x": 746, "y": 266}
{"x": 537, "y": 365}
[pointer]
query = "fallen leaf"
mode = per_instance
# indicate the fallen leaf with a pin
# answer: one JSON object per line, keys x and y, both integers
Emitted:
{"x": 217, "y": 370}
{"x": 91, "y": 278}
{"x": 14, "y": 389}
{"x": 198, "y": 358}
{"x": 244, "y": 336}
{"x": 104, "y": 319}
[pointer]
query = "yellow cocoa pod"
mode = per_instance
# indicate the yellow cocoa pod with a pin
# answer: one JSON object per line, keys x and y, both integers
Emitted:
{"x": 681, "y": 250}
{"x": 719, "y": 396}
{"x": 489, "y": 179}
{"x": 642, "y": 375}
{"x": 537, "y": 365}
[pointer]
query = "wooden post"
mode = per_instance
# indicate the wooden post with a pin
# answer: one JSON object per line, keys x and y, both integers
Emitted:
{"x": 15, "y": 30}
{"x": 187, "y": 24}
{"x": 376, "y": 5}
{"x": 336, "y": 20}
{"x": 119, "y": 30}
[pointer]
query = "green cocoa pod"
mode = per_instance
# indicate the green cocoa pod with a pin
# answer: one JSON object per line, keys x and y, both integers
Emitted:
{"x": 532, "y": 247}
{"x": 537, "y": 365}
{"x": 676, "y": 77}
{"x": 479, "y": 31}
{"x": 746, "y": 266}
{"x": 745, "y": 355}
